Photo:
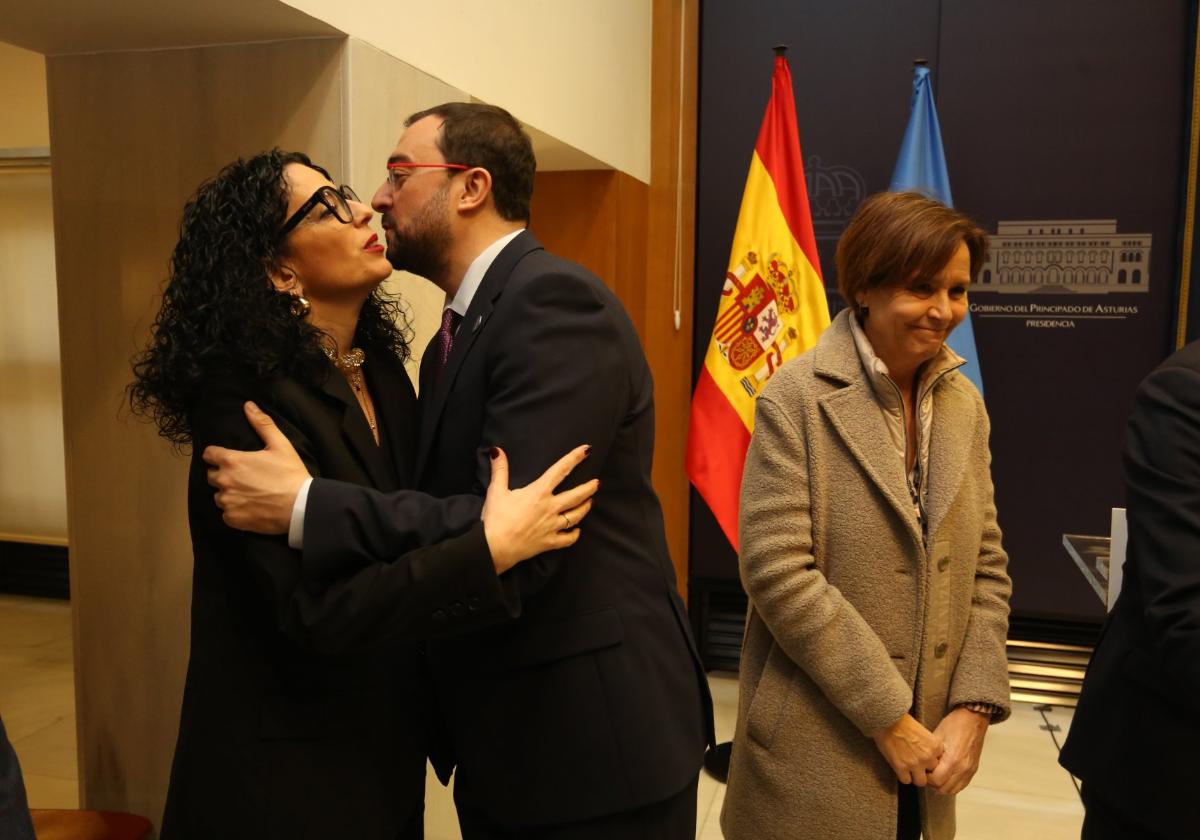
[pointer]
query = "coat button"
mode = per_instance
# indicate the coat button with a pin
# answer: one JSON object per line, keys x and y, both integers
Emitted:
{"x": 944, "y": 563}
{"x": 940, "y": 650}
{"x": 439, "y": 615}
{"x": 472, "y": 603}
{"x": 456, "y": 608}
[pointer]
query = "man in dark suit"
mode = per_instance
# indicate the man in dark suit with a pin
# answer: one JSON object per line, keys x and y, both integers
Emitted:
{"x": 588, "y": 714}
{"x": 15, "y": 823}
{"x": 1135, "y": 737}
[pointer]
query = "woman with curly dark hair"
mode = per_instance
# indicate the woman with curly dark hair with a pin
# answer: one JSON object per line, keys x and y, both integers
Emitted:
{"x": 304, "y": 712}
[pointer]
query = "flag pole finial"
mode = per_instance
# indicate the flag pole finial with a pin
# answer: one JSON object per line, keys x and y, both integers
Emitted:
{"x": 780, "y": 49}
{"x": 920, "y": 62}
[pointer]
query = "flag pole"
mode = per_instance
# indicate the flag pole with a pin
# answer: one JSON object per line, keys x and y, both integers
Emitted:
{"x": 782, "y": 233}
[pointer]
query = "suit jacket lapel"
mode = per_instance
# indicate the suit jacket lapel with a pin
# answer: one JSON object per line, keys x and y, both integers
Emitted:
{"x": 954, "y": 426}
{"x": 855, "y": 414}
{"x": 356, "y": 431}
{"x": 472, "y": 325}
{"x": 856, "y": 417}
{"x": 395, "y": 412}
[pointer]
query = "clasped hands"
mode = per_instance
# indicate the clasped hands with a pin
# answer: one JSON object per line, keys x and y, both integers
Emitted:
{"x": 944, "y": 760}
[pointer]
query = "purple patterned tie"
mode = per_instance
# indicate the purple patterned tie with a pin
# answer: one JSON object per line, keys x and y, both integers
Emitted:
{"x": 445, "y": 337}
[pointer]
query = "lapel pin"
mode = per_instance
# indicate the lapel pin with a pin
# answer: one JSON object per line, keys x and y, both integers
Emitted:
{"x": 478, "y": 321}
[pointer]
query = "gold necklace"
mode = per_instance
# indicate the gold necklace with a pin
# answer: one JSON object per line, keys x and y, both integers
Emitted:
{"x": 347, "y": 362}
{"x": 350, "y": 364}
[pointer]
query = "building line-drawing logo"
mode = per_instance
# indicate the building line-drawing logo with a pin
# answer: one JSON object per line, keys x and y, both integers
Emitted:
{"x": 1065, "y": 257}
{"x": 834, "y": 193}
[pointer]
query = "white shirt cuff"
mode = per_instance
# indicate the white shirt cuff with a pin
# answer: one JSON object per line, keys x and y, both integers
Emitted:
{"x": 296, "y": 528}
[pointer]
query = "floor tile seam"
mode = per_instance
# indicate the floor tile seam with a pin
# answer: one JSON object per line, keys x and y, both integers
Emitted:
{"x": 25, "y": 688}
{"x": 18, "y": 655}
{"x": 1062, "y": 735}
{"x": 14, "y": 711}
{"x": 16, "y": 742}
{"x": 1066, "y": 796}
{"x": 22, "y": 650}
{"x": 26, "y": 657}
{"x": 45, "y": 668}
{"x": 703, "y": 807}
{"x": 1008, "y": 792}
{"x": 38, "y": 774}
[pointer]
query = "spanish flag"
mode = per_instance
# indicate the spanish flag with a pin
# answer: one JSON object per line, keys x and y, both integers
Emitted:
{"x": 772, "y": 307}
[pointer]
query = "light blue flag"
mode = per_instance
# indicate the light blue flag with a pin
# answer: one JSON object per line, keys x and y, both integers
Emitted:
{"x": 921, "y": 167}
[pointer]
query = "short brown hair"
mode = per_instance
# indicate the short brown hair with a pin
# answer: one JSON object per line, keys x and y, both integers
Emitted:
{"x": 486, "y": 136}
{"x": 895, "y": 236}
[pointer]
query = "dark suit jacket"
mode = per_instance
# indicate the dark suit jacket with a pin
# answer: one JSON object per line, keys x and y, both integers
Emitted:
{"x": 1135, "y": 737}
{"x": 305, "y": 709}
{"x": 15, "y": 823}
{"x": 594, "y": 700}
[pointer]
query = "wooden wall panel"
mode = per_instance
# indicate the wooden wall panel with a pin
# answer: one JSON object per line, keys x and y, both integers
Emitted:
{"x": 626, "y": 231}
{"x": 575, "y": 214}
{"x": 671, "y": 223}
{"x": 133, "y": 135}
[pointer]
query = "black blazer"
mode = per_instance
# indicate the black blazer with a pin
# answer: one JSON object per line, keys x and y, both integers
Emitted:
{"x": 593, "y": 700}
{"x": 305, "y": 709}
{"x": 15, "y": 822}
{"x": 1135, "y": 736}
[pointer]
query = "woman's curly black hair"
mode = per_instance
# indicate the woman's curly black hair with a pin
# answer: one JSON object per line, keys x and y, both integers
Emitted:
{"x": 220, "y": 313}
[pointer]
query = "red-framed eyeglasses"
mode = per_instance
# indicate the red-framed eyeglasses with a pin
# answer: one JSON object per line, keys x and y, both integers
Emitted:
{"x": 397, "y": 175}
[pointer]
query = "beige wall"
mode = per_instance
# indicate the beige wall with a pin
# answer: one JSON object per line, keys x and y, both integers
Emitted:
{"x": 23, "y": 94}
{"x": 32, "y": 495}
{"x": 381, "y": 92}
{"x": 578, "y": 70}
{"x": 33, "y": 502}
{"x": 133, "y": 135}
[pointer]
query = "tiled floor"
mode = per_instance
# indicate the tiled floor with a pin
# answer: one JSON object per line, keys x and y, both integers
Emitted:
{"x": 37, "y": 696}
{"x": 1019, "y": 792}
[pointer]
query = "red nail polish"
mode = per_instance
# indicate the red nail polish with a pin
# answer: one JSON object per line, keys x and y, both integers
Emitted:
{"x": 495, "y": 453}
{"x": 587, "y": 450}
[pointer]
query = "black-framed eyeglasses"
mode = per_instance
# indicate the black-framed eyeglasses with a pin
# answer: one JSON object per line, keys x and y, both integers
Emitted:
{"x": 336, "y": 201}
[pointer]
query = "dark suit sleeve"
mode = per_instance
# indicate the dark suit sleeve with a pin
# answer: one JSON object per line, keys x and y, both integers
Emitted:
{"x": 15, "y": 822}
{"x": 349, "y": 526}
{"x": 392, "y": 552}
{"x": 1162, "y": 464}
{"x": 385, "y": 601}
{"x": 560, "y": 378}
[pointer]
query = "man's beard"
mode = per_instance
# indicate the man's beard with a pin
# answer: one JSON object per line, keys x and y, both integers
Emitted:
{"x": 423, "y": 245}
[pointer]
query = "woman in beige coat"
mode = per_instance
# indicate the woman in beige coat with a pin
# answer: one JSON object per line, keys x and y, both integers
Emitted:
{"x": 874, "y": 652}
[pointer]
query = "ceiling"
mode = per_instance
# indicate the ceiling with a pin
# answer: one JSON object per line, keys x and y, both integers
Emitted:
{"x": 65, "y": 27}
{"x": 58, "y": 27}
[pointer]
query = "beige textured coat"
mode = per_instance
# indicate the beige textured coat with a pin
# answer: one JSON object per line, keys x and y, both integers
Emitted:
{"x": 852, "y": 622}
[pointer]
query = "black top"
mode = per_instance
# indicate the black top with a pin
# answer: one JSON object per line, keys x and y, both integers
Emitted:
{"x": 15, "y": 823}
{"x": 305, "y": 708}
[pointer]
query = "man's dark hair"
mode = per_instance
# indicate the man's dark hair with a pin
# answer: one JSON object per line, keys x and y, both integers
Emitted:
{"x": 489, "y": 137}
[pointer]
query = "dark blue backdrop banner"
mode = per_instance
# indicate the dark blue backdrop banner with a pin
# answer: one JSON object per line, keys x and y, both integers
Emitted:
{"x": 1064, "y": 131}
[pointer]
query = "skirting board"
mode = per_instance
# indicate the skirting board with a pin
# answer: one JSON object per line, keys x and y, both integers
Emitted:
{"x": 28, "y": 568}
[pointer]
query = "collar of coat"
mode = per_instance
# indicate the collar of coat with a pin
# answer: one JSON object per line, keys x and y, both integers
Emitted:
{"x": 853, "y": 409}
{"x": 839, "y": 356}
